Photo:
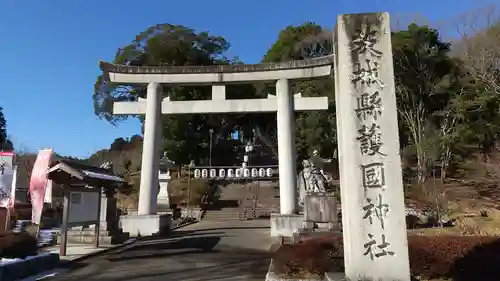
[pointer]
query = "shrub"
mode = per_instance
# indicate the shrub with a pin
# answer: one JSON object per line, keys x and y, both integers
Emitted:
{"x": 180, "y": 191}
{"x": 32, "y": 230}
{"x": 127, "y": 201}
{"x": 484, "y": 213}
{"x": 465, "y": 258}
{"x": 17, "y": 245}
{"x": 434, "y": 256}
{"x": 412, "y": 221}
{"x": 480, "y": 263}
{"x": 309, "y": 258}
{"x": 22, "y": 213}
{"x": 468, "y": 227}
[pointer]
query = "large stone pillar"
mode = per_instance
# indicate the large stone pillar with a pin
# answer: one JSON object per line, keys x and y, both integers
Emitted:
{"x": 286, "y": 147}
{"x": 371, "y": 185}
{"x": 150, "y": 156}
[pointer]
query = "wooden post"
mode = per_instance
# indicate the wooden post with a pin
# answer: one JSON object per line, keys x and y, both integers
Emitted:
{"x": 4, "y": 226}
{"x": 64, "y": 226}
{"x": 98, "y": 222}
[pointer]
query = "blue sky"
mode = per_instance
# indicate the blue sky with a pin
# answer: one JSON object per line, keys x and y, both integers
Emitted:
{"x": 50, "y": 49}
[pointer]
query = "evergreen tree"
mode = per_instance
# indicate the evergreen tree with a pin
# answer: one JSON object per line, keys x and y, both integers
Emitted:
{"x": 3, "y": 129}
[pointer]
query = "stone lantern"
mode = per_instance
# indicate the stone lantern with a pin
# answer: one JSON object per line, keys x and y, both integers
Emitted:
{"x": 164, "y": 177}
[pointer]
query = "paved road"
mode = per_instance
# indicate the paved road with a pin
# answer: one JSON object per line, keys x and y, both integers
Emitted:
{"x": 199, "y": 252}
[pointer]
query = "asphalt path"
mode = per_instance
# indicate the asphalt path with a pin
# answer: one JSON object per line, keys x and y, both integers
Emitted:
{"x": 199, "y": 252}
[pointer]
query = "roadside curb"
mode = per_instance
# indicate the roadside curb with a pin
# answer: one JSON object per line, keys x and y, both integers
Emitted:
{"x": 103, "y": 251}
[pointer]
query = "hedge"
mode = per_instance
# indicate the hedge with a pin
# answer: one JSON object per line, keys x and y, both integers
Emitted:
{"x": 463, "y": 258}
{"x": 17, "y": 245}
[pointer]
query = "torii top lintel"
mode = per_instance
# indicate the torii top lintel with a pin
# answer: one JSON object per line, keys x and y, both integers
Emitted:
{"x": 219, "y": 74}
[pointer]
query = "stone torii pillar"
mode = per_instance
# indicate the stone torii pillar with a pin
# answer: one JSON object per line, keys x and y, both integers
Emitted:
{"x": 150, "y": 148}
{"x": 286, "y": 147}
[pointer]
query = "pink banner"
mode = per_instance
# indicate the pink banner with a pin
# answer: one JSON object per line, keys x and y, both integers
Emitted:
{"x": 38, "y": 183}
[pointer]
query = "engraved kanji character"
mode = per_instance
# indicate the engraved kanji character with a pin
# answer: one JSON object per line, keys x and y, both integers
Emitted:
{"x": 365, "y": 41}
{"x": 369, "y": 246}
{"x": 369, "y": 105}
{"x": 3, "y": 194}
{"x": 378, "y": 210}
{"x": 373, "y": 175}
{"x": 370, "y": 139}
{"x": 383, "y": 248}
{"x": 317, "y": 49}
{"x": 368, "y": 75}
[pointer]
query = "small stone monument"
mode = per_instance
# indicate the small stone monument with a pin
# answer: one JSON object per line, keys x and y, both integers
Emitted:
{"x": 319, "y": 205}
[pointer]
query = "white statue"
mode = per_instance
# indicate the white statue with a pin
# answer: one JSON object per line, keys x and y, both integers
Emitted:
{"x": 312, "y": 177}
{"x": 320, "y": 163}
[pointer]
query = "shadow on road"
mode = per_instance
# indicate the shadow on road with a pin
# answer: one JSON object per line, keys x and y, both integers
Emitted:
{"x": 174, "y": 237}
{"x": 167, "y": 248}
{"x": 188, "y": 255}
{"x": 228, "y": 267}
{"x": 243, "y": 268}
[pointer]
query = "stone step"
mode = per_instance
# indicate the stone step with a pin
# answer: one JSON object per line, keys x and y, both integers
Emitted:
{"x": 221, "y": 216}
{"x": 232, "y": 210}
{"x": 87, "y": 231}
{"x": 235, "y": 210}
{"x": 223, "y": 220}
{"x": 222, "y": 212}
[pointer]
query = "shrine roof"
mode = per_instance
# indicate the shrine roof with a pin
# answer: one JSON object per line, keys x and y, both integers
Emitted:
{"x": 72, "y": 172}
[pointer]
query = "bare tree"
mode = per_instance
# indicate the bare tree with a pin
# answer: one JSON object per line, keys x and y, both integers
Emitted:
{"x": 415, "y": 115}
{"x": 269, "y": 138}
{"x": 479, "y": 45}
{"x": 400, "y": 21}
{"x": 447, "y": 128}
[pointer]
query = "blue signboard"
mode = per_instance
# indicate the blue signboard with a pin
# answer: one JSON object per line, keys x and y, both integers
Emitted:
{"x": 235, "y": 135}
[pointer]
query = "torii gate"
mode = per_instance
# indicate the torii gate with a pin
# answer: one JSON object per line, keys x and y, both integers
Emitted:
{"x": 284, "y": 103}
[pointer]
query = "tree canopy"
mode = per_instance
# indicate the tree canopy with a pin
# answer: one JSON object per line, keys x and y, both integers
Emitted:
{"x": 447, "y": 110}
{"x": 5, "y": 143}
